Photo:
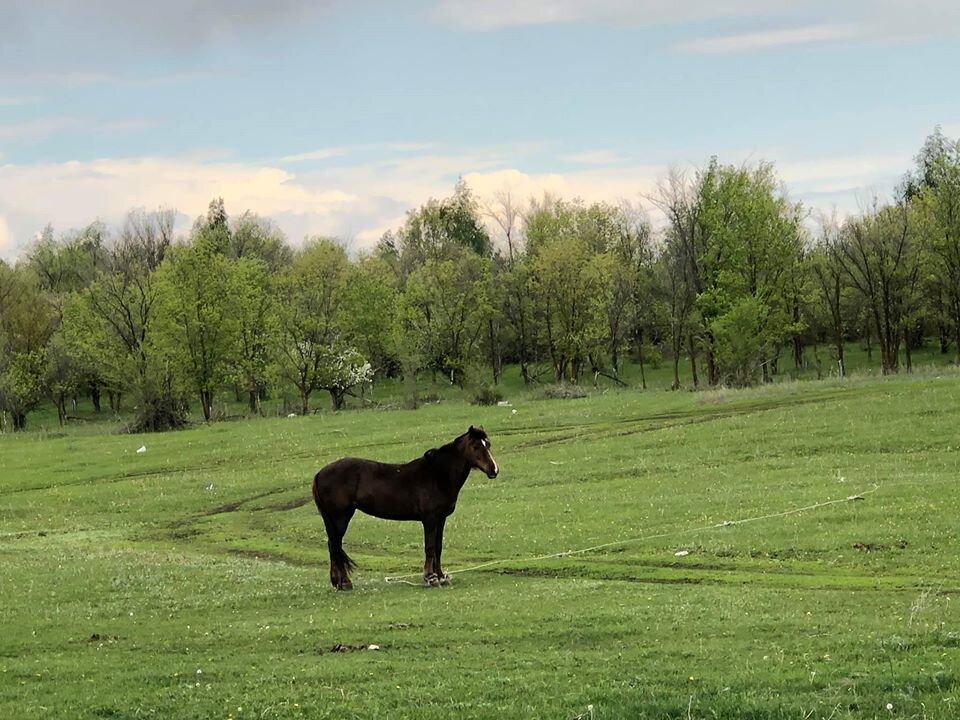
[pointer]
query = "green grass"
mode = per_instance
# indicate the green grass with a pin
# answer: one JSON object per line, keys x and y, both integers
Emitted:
{"x": 190, "y": 581}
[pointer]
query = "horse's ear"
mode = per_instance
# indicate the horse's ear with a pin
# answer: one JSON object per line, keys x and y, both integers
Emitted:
{"x": 429, "y": 453}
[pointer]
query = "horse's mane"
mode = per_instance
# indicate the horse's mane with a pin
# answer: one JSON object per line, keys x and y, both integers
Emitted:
{"x": 452, "y": 445}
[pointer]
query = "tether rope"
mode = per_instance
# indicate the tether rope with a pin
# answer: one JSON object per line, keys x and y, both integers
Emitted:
{"x": 402, "y": 579}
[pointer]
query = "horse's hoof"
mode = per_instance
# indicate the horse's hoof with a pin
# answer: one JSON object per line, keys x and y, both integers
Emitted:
{"x": 432, "y": 580}
{"x": 444, "y": 579}
{"x": 345, "y": 586}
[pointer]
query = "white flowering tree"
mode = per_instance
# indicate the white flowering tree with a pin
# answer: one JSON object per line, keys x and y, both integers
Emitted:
{"x": 341, "y": 370}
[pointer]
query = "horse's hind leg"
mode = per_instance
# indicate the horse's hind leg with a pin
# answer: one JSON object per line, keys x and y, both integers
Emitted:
{"x": 442, "y": 577}
{"x": 340, "y": 562}
{"x": 431, "y": 553}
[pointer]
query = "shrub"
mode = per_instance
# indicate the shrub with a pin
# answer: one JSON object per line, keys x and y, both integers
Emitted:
{"x": 564, "y": 392}
{"x": 487, "y": 395}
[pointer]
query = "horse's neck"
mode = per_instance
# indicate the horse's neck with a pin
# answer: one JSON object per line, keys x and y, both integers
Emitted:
{"x": 457, "y": 467}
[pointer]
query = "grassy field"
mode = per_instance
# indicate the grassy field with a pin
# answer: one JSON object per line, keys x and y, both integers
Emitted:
{"x": 190, "y": 580}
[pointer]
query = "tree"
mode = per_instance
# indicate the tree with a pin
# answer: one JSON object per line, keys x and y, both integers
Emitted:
{"x": 315, "y": 352}
{"x": 936, "y": 193}
{"x": 27, "y": 322}
{"x": 110, "y": 324}
{"x": 256, "y": 331}
{"x": 446, "y": 305}
{"x": 880, "y": 253}
{"x": 196, "y": 317}
{"x": 253, "y": 237}
{"x": 824, "y": 262}
{"x": 570, "y": 285}
{"x": 439, "y": 230}
{"x": 512, "y": 277}
{"x": 370, "y": 312}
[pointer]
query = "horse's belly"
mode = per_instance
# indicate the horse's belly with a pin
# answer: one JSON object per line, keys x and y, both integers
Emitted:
{"x": 388, "y": 513}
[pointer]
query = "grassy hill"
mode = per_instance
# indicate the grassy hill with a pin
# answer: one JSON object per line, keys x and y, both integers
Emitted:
{"x": 190, "y": 580}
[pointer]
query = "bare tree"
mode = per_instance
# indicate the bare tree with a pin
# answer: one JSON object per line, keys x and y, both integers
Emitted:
{"x": 829, "y": 273}
{"x": 880, "y": 254}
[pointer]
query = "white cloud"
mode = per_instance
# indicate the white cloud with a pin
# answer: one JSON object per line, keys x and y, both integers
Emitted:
{"x": 7, "y": 246}
{"x": 36, "y": 129}
{"x": 323, "y": 154}
{"x": 782, "y": 22}
{"x": 16, "y": 101}
{"x": 336, "y": 152}
{"x": 495, "y": 14}
{"x": 359, "y": 202}
{"x": 813, "y": 34}
{"x": 42, "y": 128}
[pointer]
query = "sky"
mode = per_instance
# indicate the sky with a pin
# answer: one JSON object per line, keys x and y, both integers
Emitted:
{"x": 334, "y": 118}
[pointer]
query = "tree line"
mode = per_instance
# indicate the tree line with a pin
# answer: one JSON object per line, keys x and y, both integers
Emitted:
{"x": 736, "y": 282}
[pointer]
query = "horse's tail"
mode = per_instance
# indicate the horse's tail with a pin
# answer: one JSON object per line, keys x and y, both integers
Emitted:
{"x": 345, "y": 560}
{"x": 316, "y": 491}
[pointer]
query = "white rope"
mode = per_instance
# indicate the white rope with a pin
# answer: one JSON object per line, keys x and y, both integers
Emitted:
{"x": 402, "y": 579}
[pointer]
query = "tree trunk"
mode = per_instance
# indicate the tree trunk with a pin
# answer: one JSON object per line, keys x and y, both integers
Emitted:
{"x": 713, "y": 372}
{"x": 643, "y": 374}
{"x": 19, "y": 421}
{"x": 253, "y": 401}
{"x": 693, "y": 360}
{"x": 956, "y": 329}
{"x": 304, "y": 401}
{"x": 337, "y": 399}
{"x": 206, "y": 400}
{"x": 95, "y": 396}
{"x": 839, "y": 342}
{"x": 494, "y": 354}
{"x": 61, "y": 403}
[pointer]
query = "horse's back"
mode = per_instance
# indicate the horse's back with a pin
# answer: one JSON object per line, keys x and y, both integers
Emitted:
{"x": 338, "y": 483}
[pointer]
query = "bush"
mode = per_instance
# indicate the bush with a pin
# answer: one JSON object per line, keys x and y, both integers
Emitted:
{"x": 487, "y": 395}
{"x": 564, "y": 392}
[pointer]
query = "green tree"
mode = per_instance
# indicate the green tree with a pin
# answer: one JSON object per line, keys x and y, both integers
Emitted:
{"x": 316, "y": 354}
{"x": 27, "y": 321}
{"x": 370, "y": 312}
{"x": 256, "y": 331}
{"x": 570, "y": 286}
{"x": 937, "y": 195}
{"x": 446, "y": 306}
{"x": 110, "y": 325}
{"x": 196, "y": 320}
{"x": 253, "y": 237}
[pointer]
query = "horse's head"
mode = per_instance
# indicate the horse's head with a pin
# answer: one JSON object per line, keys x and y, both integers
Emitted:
{"x": 476, "y": 447}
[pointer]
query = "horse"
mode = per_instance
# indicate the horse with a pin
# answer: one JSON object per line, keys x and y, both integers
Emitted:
{"x": 424, "y": 489}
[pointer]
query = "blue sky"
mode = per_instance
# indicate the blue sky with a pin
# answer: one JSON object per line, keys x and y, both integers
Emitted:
{"x": 336, "y": 117}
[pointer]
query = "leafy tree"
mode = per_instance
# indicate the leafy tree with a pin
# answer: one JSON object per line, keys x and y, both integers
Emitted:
{"x": 754, "y": 250}
{"x": 27, "y": 322}
{"x": 446, "y": 305}
{"x": 315, "y": 353}
{"x": 196, "y": 317}
{"x": 370, "y": 312}
{"x": 253, "y": 237}
{"x": 937, "y": 194}
{"x": 256, "y": 331}
{"x": 438, "y": 230}
{"x": 110, "y": 325}
{"x": 570, "y": 286}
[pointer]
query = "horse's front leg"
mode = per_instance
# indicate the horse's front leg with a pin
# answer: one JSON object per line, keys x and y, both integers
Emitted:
{"x": 430, "y": 563}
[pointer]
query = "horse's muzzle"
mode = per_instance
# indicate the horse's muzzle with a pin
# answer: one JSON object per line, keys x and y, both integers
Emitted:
{"x": 493, "y": 473}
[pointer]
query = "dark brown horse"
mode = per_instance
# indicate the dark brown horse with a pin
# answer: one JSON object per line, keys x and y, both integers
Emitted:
{"x": 424, "y": 489}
